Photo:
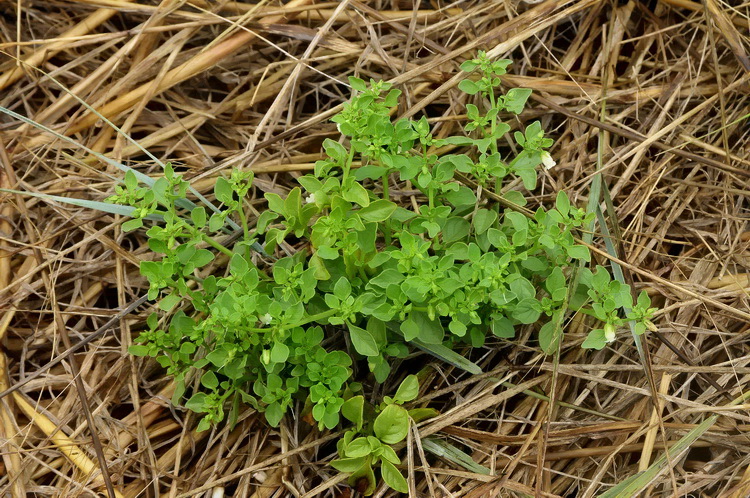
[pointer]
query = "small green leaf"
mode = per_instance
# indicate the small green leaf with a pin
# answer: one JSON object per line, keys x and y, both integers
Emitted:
{"x": 348, "y": 464}
{"x": 209, "y": 380}
{"x": 484, "y": 219}
{"x": 392, "y": 425}
{"x": 139, "y": 350}
{"x": 279, "y": 352}
{"x": 377, "y": 211}
{"x": 549, "y": 336}
{"x": 356, "y": 193}
{"x": 410, "y": 329}
{"x": 342, "y": 289}
{"x": 363, "y": 341}
{"x": 357, "y": 84}
{"x": 393, "y": 477}
{"x": 223, "y": 190}
{"x": 595, "y": 340}
{"x": 562, "y": 203}
{"x": 408, "y": 390}
{"x": 353, "y": 411}
{"x": 455, "y": 229}
{"x": 238, "y": 266}
{"x": 420, "y": 414}
{"x": 516, "y": 98}
{"x": 198, "y": 215}
{"x": 579, "y": 252}
{"x": 468, "y": 86}
{"x": 169, "y": 301}
{"x": 197, "y": 403}
{"x": 131, "y": 225}
{"x": 358, "y": 448}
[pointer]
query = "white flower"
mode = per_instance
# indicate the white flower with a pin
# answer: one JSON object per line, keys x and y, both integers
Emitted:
{"x": 547, "y": 160}
{"x": 609, "y": 331}
{"x": 266, "y": 319}
{"x": 310, "y": 199}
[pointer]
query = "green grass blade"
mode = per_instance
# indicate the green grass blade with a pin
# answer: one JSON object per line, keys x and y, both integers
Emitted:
{"x": 441, "y": 352}
{"x": 97, "y": 205}
{"x": 443, "y": 449}
{"x": 633, "y": 485}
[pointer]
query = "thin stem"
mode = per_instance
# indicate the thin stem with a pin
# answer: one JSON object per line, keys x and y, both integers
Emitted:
{"x": 214, "y": 244}
{"x": 348, "y": 164}
{"x": 387, "y": 197}
{"x": 243, "y": 220}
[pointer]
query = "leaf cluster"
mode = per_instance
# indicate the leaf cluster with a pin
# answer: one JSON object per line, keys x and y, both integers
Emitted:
{"x": 253, "y": 329}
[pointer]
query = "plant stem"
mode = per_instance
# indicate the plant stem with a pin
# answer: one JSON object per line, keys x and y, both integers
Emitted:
{"x": 387, "y": 197}
{"x": 348, "y": 164}
{"x": 214, "y": 244}
{"x": 243, "y": 219}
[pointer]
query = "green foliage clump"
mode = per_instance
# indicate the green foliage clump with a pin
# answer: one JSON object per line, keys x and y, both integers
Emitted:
{"x": 265, "y": 332}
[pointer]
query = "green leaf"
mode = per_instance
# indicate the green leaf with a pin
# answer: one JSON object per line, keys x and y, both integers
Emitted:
{"x": 410, "y": 329}
{"x": 348, "y": 464}
{"x": 238, "y": 266}
{"x": 378, "y": 211}
{"x": 363, "y": 342}
{"x": 595, "y": 340}
{"x": 469, "y": 66}
{"x": 464, "y": 196}
{"x": 556, "y": 285}
{"x": 408, "y": 390}
{"x": 392, "y": 425}
{"x": 393, "y": 478}
{"x": 197, "y": 403}
{"x": 169, "y": 301}
{"x": 549, "y": 336}
{"x": 274, "y": 413}
{"x": 562, "y": 203}
{"x": 353, "y": 410}
{"x": 430, "y": 331}
{"x": 420, "y": 414}
{"x": 579, "y": 252}
{"x": 357, "y": 84}
{"x": 342, "y": 289}
{"x": 279, "y": 352}
{"x": 139, "y": 350}
{"x": 468, "y": 86}
{"x": 131, "y": 225}
{"x": 358, "y": 194}
{"x": 484, "y": 219}
{"x": 358, "y": 448}
{"x": 502, "y": 327}
{"x": 209, "y": 380}
{"x": 198, "y": 215}
{"x": 516, "y": 98}
{"x": 376, "y": 328}
{"x": 223, "y": 190}
{"x": 455, "y": 229}
{"x": 526, "y": 311}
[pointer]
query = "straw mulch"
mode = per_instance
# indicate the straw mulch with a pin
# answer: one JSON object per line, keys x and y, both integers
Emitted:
{"x": 654, "y": 92}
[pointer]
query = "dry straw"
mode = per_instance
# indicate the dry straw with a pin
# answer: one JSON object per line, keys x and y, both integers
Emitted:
{"x": 649, "y": 97}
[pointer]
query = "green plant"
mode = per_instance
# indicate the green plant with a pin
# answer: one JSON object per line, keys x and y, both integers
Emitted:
{"x": 265, "y": 331}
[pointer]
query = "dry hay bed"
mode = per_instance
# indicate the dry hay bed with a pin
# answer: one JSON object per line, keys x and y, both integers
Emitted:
{"x": 654, "y": 93}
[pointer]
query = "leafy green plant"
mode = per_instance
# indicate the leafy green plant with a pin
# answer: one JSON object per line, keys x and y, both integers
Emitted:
{"x": 265, "y": 331}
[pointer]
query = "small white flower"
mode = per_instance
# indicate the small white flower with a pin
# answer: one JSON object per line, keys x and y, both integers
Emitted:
{"x": 609, "y": 332}
{"x": 310, "y": 199}
{"x": 266, "y": 319}
{"x": 547, "y": 160}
